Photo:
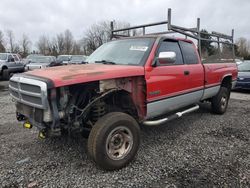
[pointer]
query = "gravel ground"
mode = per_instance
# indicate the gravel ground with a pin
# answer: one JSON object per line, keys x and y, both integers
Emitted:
{"x": 198, "y": 150}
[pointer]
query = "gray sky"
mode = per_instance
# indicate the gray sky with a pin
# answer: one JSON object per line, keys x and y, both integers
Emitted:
{"x": 38, "y": 17}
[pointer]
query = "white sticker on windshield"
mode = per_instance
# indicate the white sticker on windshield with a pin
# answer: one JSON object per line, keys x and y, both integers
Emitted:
{"x": 139, "y": 48}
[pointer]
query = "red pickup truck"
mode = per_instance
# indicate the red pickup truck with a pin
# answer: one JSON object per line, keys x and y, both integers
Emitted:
{"x": 132, "y": 81}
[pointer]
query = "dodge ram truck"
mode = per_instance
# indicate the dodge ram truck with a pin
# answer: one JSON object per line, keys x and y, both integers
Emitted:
{"x": 128, "y": 82}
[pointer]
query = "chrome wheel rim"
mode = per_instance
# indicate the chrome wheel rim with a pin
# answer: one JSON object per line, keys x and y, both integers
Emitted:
{"x": 223, "y": 102}
{"x": 119, "y": 143}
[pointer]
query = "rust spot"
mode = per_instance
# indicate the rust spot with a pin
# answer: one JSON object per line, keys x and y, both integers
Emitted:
{"x": 79, "y": 68}
{"x": 70, "y": 77}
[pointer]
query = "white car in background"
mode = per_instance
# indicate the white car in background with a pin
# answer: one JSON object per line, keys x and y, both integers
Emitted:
{"x": 40, "y": 62}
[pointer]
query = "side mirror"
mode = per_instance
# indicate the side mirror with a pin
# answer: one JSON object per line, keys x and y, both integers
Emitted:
{"x": 166, "y": 58}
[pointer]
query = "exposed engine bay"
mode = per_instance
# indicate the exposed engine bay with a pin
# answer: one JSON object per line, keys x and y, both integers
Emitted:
{"x": 80, "y": 106}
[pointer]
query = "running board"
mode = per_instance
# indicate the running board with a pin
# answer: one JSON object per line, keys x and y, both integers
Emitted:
{"x": 171, "y": 117}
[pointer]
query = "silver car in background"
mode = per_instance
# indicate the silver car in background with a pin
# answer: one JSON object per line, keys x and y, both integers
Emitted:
{"x": 10, "y": 63}
{"x": 78, "y": 59}
{"x": 40, "y": 62}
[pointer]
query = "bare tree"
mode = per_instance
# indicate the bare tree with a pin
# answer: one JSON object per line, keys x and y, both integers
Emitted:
{"x": 76, "y": 48}
{"x": 243, "y": 47}
{"x": 43, "y": 45}
{"x": 60, "y": 43}
{"x": 10, "y": 37}
{"x": 14, "y": 47}
{"x": 25, "y": 45}
{"x": 2, "y": 48}
{"x": 98, "y": 34}
{"x": 54, "y": 47}
{"x": 68, "y": 41}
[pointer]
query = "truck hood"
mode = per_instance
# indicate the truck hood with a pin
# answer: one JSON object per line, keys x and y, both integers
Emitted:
{"x": 74, "y": 74}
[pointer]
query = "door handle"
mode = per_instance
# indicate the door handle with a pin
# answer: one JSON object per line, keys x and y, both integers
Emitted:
{"x": 186, "y": 72}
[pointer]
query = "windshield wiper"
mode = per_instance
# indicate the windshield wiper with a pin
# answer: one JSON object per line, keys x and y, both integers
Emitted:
{"x": 106, "y": 62}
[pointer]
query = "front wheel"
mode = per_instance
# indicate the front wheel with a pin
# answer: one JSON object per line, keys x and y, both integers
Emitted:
{"x": 6, "y": 74}
{"x": 220, "y": 101}
{"x": 114, "y": 140}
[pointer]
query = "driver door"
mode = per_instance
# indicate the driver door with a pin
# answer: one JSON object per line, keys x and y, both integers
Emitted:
{"x": 166, "y": 83}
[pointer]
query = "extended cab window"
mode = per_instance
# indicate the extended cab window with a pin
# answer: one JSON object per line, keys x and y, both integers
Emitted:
{"x": 171, "y": 46}
{"x": 189, "y": 53}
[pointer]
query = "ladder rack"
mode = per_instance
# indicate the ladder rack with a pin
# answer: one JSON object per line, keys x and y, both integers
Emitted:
{"x": 194, "y": 33}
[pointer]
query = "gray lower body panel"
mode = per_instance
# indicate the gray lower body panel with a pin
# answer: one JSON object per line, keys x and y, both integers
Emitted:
{"x": 210, "y": 92}
{"x": 164, "y": 106}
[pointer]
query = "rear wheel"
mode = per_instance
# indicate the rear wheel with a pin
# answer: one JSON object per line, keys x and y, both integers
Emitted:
{"x": 114, "y": 140}
{"x": 220, "y": 101}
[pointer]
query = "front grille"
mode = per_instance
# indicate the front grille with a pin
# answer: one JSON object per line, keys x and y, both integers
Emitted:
{"x": 30, "y": 88}
{"x": 29, "y": 91}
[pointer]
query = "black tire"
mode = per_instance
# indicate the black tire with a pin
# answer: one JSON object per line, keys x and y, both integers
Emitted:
{"x": 6, "y": 74}
{"x": 112, "y": 126}
{"x": 220, "y": 101}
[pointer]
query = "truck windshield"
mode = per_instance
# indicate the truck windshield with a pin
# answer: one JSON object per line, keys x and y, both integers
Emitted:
{"x": 123, "y": 52}
{"x": 3, "y": 56}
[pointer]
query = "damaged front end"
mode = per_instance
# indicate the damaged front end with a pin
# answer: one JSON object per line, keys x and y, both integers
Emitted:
{"x": 75, "y": 107}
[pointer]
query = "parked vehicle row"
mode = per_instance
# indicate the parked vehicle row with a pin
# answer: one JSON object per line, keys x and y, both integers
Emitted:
{"x": 39, "y": 62}
{"x": 11, "y": 63}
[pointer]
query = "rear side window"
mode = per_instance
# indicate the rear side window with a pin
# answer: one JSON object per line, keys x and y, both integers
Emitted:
{"x": 171, "y": 46}
{"x": 189, "y": 53}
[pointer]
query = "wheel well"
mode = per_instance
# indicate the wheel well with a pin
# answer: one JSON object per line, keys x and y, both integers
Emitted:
{"x": 122, "y": 100}
{"x": 227, "y": 82}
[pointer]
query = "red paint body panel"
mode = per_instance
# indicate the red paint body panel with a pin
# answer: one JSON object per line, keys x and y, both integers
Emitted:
{"x": 216, "y": 72}
{"x": 196, "y": 77}
{"x": 171, "y": 81}
{"x": 166, "y": 81}
{"x": 74, "y": 74}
